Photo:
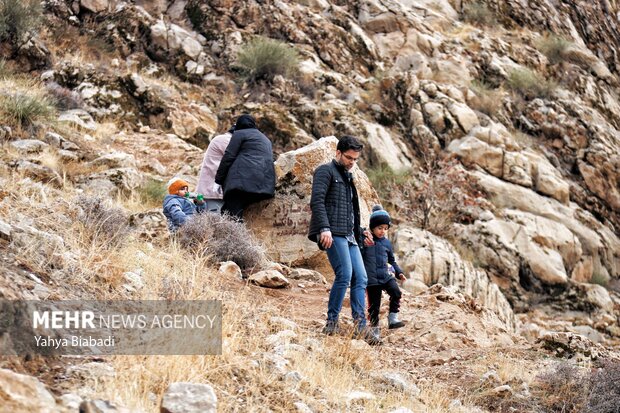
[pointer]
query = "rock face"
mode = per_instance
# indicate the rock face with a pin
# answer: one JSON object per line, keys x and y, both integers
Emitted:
{"x": 430, "y": 259}
{"x": 556, "y": 241}
{"x": 189, "y": 398}
{"x": 282, "y": 223}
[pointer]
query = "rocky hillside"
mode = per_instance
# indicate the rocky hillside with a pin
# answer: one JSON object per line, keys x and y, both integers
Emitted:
{"x": 502, "y": 117}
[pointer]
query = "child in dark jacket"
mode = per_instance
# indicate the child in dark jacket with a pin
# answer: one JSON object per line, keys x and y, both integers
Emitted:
{"x": 178, "y": 208}
{"x": 376, "y": 260}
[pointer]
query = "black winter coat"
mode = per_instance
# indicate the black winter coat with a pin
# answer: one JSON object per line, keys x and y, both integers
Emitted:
{"x": 247, "y": 164}
{"x": 376, "y": 260}
{"x": 334, "y": 202}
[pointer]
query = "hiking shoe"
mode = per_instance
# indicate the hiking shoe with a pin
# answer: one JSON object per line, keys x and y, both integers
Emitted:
{"x": 394, "y": 322}
{"x": 331, "y": 328}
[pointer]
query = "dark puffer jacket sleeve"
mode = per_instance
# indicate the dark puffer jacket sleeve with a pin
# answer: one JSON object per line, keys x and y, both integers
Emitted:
{"x": 391, "y": 259}
{"x": 320, "y": 185}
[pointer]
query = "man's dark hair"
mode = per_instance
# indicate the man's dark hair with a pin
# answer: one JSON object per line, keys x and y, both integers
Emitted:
{"x": 349, "y": 142}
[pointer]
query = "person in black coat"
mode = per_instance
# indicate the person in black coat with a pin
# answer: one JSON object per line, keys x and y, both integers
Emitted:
{"x": 246, "y": 172}
{"x": 335, "y": 227}
{"x": 377, "y": 257}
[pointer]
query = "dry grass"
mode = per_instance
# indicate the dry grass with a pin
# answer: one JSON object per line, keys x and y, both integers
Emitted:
{"x": 487, "y": 100}
{"x": 241, "y": 378}
{"x": 523, "y": 139}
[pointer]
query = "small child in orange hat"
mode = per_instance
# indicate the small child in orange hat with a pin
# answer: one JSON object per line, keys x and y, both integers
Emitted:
{"x": 177, "y": 208}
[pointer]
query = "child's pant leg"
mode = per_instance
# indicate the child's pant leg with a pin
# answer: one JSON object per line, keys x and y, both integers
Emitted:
{"x": 374, "y": 303}
{"x": 391, "y": 288}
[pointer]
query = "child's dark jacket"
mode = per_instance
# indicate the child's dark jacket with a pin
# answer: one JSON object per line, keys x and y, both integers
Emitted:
{"x": 376, "y": 259}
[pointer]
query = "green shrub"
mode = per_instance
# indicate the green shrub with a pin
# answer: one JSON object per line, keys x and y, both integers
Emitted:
{"x": 153, "y": 192}
{"x": 600, "y": 278}
{"x": 262, "y": 59}
{"x": 23, "y": 109}
{"x": 554, "y": 47}
{"x": 479, "y": 14}
{"x": 17, "y": 17}
{"x": 530, "y": 84}
{"x": 384, "y": 179}
{"x": 5, "y": 70}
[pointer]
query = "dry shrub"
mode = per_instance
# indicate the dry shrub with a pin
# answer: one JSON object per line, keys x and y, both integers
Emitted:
{"x": 103, "y": 224}
{"x": 222, "y": 238}
{"x": 440, "y": 194}
{"x": 479, "y": 14}
{"x": 554, "y": 47}
{"x": 604, "y": 395}
{"x": 65, "y": 99}
{"x": 563, "y": 389}
{"x": 488, "y": 100}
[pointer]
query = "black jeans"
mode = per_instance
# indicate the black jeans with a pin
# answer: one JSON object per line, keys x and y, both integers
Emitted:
{"x": 374, "y": 299}
{"x": 236, "y": 201}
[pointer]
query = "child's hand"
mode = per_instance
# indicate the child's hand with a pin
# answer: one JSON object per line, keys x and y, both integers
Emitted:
{"x": 368, "y": 239}
{"x": 401, "y": 276}
{"x": 199, "y": 201}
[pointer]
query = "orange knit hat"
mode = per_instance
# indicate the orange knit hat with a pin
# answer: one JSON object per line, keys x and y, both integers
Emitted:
{"x": 175, "y": 185}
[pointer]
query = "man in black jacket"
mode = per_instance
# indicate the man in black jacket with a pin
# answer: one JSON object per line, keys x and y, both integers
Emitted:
{"x": 335, "y": 227}
{"x": 246, "y": 171}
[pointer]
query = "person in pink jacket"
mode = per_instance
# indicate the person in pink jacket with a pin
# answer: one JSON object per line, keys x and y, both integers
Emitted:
{"x": 206, "y": 180}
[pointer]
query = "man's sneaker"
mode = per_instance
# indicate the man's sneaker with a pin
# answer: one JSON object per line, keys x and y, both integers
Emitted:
{"x": 394, "y": 322}
{"x": 331, "y": 328}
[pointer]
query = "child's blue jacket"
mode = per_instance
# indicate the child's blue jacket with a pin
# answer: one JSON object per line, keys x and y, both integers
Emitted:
{"x": 178, "y": 209}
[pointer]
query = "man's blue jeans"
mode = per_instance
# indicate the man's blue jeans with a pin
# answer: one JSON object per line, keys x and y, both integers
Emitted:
{"x": 346, "y": 260}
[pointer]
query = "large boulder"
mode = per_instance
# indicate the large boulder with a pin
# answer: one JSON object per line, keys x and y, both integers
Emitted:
{"x": 192, "y": 118}
{"x": 387, "y": 148}
{"x": 282, "y": 222}
{"x": 547, "y": 180}
{"x": 474, "y": 151}
{"x": 21, "y": 393}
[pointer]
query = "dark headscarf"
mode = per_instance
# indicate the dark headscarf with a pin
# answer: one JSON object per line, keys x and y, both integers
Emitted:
{"x": 245, "y": 122}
